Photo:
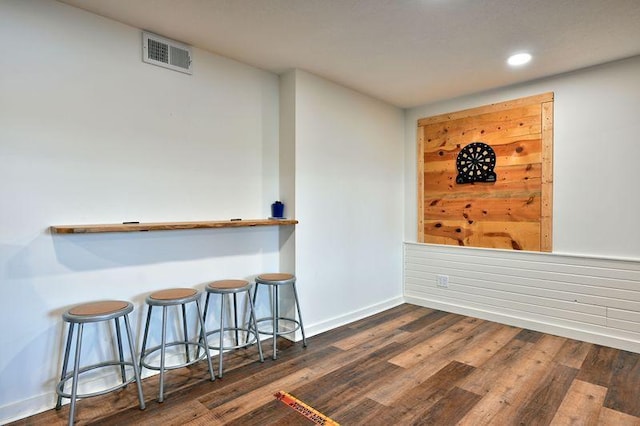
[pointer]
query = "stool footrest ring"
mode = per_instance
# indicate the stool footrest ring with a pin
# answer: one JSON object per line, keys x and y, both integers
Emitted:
{"x": 249, "y": 330}
{"x": 279, "y": 333}
{"x": 60, "y": 388}
{"x": 172, "y": 367}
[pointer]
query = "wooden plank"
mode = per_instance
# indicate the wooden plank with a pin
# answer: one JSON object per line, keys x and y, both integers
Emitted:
{"x": 529, "y": 336}
{"x": 546, "y": 214}
{"x": 486, "y": 375}
{"x": 505, "y": 137}
{"x": 513, "y": 207}
{"x": 494, "y": 129}
{"x": 238, "y": 382}
{"x": 487, "y": 346}
{"x": 261, "y": 395}
{"x": 505, "y": 235}
{"x": 498, "y": 106}
{"x": 181, "y": 413}
{"x": 581, "y": 405}
{"x": 597, "y": 367}
{"x": 347, "y": 384}
{"x": 473, "y": 348}
{"x": 357, "y": 412}
{"x": 573, "y": 353}
{"x": 368, "y": 335}
{"x": 512, "y": 388}
{"x": 519, "y": 116}
{"x": 208, "y": 419}
{"x": 541, "y": 406}
{"x": 418, "y": 372}
{"x": 384, "y": 316}
{"x": 624, "y": 382}
{"x": 518, "y": 178}
{"x": 512, "y": 154}
{"x": 167, "y": 226}
{"x": 609, "y": 417}
{"x": 421, "y": 352}
{"x": 420, "y": 185}
{"x": 425, "y": 401}
{"x": 433, "y": 328}
{"x": 426, "y": 323}
{"x": 450, "y": 409}
{"x": 520, "y": 150}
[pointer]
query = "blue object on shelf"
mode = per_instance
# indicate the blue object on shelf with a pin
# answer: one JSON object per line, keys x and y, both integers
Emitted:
{"x": 277, "y": 209}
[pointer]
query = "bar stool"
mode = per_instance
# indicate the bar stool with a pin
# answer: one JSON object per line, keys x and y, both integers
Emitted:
{"x": 174, "y": 297}
{"x": 88, "y": 313}
{"x": 274, "y": 282}
{"x": 233, "y": 287}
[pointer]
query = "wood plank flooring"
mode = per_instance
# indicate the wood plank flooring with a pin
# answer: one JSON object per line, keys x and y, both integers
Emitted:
{"x": 407, "y": 365}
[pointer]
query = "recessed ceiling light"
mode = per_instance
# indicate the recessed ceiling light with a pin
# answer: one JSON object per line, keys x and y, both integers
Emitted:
{"x": 519, "y": 59}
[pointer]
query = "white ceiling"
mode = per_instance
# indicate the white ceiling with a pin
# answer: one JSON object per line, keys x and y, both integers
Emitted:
{"x": 405, "y": 52}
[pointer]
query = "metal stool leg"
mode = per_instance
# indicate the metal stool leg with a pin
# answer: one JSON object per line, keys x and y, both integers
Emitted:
{"x": 203, "y": 332}
{"x": 276, "y": 314}
{"x": 255, "y": 294}
{"x": 220, "y": 350}
{"x": 119, "y": 339}
{"x": 252, "y": 318}
{"x": 65, "y": 362}
{"x": 162, "y": 352}
{"x": 136, "y": 371}
{"x": 206, "y": 307}
{"x": 184, "y": 327}
{"x": 76, "y": 368}
{"x": 235, "y": 316}
{"x": 295, "y": 295}
{"x": 146, "y": 334}
{"x": 204, "y": 319}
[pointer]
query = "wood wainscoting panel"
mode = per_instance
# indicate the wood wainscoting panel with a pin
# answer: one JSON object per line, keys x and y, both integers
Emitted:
{"x": 515, "y": 211}
{"x": 592, "y": 299}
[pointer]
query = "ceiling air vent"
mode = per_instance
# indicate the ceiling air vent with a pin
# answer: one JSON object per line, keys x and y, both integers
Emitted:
{"x": 166, "y": 53}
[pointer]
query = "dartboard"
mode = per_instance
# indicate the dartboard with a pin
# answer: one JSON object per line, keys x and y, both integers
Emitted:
{"x": 475, "y": 163}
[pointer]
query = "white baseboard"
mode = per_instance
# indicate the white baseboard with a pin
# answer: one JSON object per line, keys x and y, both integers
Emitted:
{"x": 544, "y": 327}
{"x": 338, "y": 321}
{"x": 27, "y": 407}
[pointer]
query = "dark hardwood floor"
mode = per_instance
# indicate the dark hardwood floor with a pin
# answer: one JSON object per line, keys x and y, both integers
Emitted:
{"x": 407, "y": 365}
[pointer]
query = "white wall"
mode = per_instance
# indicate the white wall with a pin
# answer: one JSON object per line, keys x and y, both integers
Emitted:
{"x": 349, "y": 200}
{"x": 91, "y": 134}
{"x": 287, "y": 163}
{"x": 588, "y": 287}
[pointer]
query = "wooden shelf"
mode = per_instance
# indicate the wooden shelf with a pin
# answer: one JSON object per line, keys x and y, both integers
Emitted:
{"x": 167, "y": 226}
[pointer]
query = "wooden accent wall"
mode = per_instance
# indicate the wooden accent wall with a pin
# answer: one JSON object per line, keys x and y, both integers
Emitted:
{"x": 515, "y": 212}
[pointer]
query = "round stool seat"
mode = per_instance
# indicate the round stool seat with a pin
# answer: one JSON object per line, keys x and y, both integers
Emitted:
{"x": 97, "y": 311}
{"x": 275, "y": 278}
{"x": 172, "y": 296}
{"x": 228, "y": 286}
